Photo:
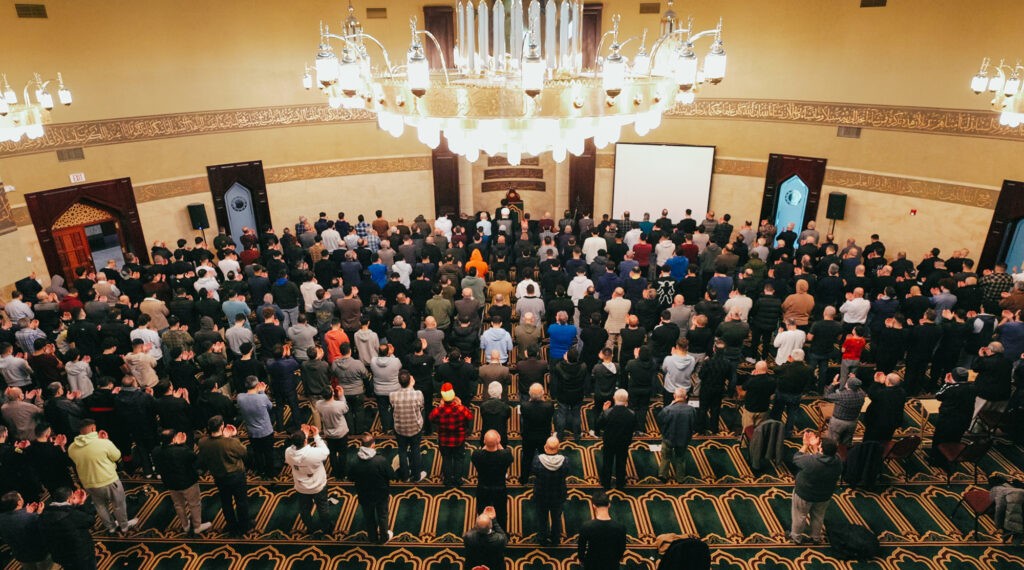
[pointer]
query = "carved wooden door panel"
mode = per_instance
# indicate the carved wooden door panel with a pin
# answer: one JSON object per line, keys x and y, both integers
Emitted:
{"x": 72, "y": 249}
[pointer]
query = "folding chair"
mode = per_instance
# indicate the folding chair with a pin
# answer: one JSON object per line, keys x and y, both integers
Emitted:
{"x": 978, "y": 502}
{"x": 900, "y": 449}
{"x": 959, "y": 452}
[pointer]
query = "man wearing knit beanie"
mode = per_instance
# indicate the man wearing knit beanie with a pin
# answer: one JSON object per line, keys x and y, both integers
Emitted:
{"x": 453, "y": 420}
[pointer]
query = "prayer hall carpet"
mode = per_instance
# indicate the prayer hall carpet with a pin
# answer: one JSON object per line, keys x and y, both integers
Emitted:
{"x": 743, "y": 515}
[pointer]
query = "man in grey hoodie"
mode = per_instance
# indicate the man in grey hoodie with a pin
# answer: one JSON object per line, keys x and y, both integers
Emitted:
{"x": 351, "y": 375}
{"x": 385, "y": 368}
{"x": 678, "y": 368}
{"x": 549, "y": 492}
{"x": 816, "y": 481}
{"x": 301, "y": 334}
{"x": 367, "y": 342}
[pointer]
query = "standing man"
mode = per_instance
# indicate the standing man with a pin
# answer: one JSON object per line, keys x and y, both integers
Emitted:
{"x": 65, "y": 527}
{"x": 815, "y": 483}
{"x": 549, "y": 492}
{"x": 254, "y": 408}
{"x": 848, "y": 402}
{"x": 492, "y": 463}
{"x": 96, "y": 460}
{"x": 224, "y": 456}
{"x": 177, "y": 465}
{"x": 407, "y": 407}
{"x": 372, "y": 476}
{"x": 536, "y": 415}
{"x": 20, "y": 530}
{"x": 676, "y": 421}
{"x": 306, "y": 457}
{"x": 452, "y": 420}
{"x": 617, "y": 423}
{"x": 602, "y": 541}
{"x": 485, "y": 543}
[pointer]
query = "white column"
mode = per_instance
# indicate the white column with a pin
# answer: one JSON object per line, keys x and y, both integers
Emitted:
{"x": 499, "y": 35}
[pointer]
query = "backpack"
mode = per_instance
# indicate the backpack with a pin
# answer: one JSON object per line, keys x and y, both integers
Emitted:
{"x": 686, "y": 554}
{"x": 853, "y": 542}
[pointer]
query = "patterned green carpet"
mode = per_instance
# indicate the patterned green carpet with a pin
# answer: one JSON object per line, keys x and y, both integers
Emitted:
{"x": 743, "y": 515}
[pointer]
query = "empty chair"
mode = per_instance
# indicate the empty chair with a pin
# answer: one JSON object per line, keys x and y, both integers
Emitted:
{"x": 978, "y": 502}
{"x": 957, "y": 452}
{"x": 900, "y": 449}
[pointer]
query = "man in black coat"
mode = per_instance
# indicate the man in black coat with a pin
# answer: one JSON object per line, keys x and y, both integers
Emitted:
{"x": 994, "y": 381}
{"x": 177, "y": 465}
{"x": 885, "y": 413}
{"x": 764, "y": 320}
{"x": 486, "y": 543}
{"x": 535, "y": 419}
{"x": 372, "y": 475}
{"x": 65, "y": 527}
{"x": 617, "y": 423}
{"x": 957, "y": 397}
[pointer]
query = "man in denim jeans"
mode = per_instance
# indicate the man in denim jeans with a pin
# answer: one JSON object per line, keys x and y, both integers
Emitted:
{"x": 793, "y": 378}
{"x": 569, "y": 376}
{"x": 823, "y": 336}
{"x": 407, "y": 407}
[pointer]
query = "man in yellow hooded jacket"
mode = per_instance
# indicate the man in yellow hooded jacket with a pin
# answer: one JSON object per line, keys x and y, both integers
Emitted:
{"x": 96, "y": 460}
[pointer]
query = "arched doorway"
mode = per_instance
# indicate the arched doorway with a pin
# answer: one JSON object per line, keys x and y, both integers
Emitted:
{"x": 87, "y": 235}
{"x": 86, "y": 225}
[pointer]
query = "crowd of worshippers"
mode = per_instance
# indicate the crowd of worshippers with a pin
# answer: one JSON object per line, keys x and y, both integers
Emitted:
{"x": 159, "y": 367}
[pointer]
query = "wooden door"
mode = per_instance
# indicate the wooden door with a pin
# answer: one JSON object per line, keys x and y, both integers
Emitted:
{"x": 72, "y": 249}
{"x": 591, "y": 33}
{"x": 445, "y": 165}
{"x": 1008, "y": 213}
{"x": 114, "y": 196}
{"x": 783, "y": 167}
{"x": 582, "y": 175}
{"x": 440, "y": 21}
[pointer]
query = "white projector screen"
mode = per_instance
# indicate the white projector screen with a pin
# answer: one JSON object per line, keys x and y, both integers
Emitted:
{"x": 653, "y": 177}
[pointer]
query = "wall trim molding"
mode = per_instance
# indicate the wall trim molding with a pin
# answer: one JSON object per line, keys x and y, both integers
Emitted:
{"x": 923, "y": 120}
{"x": 884, "y": 183}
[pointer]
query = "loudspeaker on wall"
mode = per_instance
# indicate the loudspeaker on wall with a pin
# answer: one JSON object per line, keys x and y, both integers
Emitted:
{"x": 836, "y": 208}
{"x": 197, "y": 215}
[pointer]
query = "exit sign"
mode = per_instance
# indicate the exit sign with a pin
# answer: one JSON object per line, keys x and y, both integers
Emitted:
{"x": 77, "y": 177}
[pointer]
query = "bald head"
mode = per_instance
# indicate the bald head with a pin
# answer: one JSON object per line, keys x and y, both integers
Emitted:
{"x": 483, "y": 522}
{"x": 551, "y": 445}
{"x": 536, "y": 391}
{"x": 761, "y": 367}
{"x": 491, "y": 439}
{"x": 621, "y": 397}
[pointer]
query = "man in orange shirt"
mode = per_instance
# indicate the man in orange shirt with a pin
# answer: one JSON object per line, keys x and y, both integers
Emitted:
{"x": 477, "y": 260}
{"x": 334, "y": 338}
{"x": 380, "y": 225}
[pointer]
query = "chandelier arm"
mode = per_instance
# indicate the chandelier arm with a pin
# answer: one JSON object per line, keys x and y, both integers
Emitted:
{"x": 689, "y": 38}
{"x": 348, "y": 40}
{"x": 600, "y": 47}
{"x": 444, "y": 66}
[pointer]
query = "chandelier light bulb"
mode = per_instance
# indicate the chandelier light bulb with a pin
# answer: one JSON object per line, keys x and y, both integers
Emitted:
{"x": 417, "y": 71}
{"x": 714, "y": 64}
{"x": 46, "y": 100}
{"x": 348, "y": 74}
{"x": 978, "y": 83}
{"x": 686, "y": 69}
{"x": 533, "y": 71}
{"x": 1012, "y": 85}
{"x": 614, "y": 75}
{"x": 326, "y": 66}
{"x": 996, "y": 83}
{"x": 307, "y": 80}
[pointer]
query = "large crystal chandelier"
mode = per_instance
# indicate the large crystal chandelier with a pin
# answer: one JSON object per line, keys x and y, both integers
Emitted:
{"x": 519, "y": 83}
{"x": 25, "y": 118}
{"x": 1005, "y": 85}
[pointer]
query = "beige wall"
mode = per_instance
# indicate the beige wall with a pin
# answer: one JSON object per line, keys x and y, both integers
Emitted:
{"x": 405, "y": 194}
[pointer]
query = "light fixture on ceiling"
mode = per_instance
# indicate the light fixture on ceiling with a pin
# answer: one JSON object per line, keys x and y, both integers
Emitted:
{"x": 520, "y": 89}
{"x": 26, "y": 117}
{"x": 1006, "y": 87}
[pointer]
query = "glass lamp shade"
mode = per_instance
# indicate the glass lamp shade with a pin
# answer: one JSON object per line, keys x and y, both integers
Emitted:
{"x": 641, "y": 64}
{"x": 64, "y": 95}
{"x": 307, "y": 81}
{"x": 996, "y": 83}
{"x": 533, "y": 75}
{"x": 978, "y": 82}
{"x": 326, "y": 68}
{"x": 4, "y": 107}
{"x": 686, "y": 71}
{"x": 614, "y": 75}
{"x": 1012, "y": 86}
{"x": 714, "y": 66}
{"x": 418, "y": 73}
{"x": 348, "y": 77}
{"x": 10, "y": 96}
{"x": 46, "y": 100}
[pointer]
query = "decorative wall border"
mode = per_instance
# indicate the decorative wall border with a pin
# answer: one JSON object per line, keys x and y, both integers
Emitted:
{"x": 953, "y": 122}
{"x": 952, "y": 193}
{"x": 960, "y": 194}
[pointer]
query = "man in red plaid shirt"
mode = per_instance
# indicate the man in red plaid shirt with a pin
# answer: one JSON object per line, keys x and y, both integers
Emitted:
{"x": 453, "y": 421}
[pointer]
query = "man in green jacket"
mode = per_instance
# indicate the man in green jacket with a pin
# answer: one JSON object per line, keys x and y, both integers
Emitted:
{"x": 224, "y": 456}
{"x": 96, "y": 460}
